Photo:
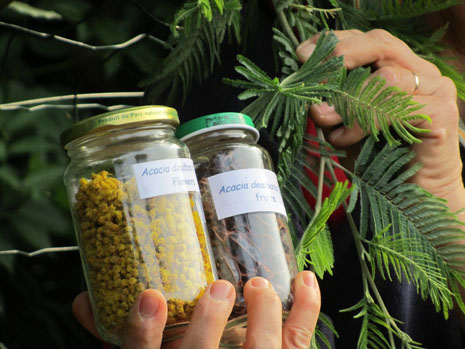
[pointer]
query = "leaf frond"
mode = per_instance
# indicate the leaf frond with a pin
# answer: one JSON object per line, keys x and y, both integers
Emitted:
{"x": 421, "y": 240}
{"x": 374, "y": 108}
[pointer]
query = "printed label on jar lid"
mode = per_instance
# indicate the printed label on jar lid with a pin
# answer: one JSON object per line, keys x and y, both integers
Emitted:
{"x": 164, "y": 177}
{"x": 246, "y": 191}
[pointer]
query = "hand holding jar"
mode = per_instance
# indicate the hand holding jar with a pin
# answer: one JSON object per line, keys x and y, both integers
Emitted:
{"x": 147, "y": 317}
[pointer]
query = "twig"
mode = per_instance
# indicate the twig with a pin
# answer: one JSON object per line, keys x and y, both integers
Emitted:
{"x": 310, "y": 9}
{"x": 148, "y": 13}
{"x": 361, "y": 253}
{"x": 120, "y": 46}
{"x": 80, "y": 96}
{"x": 41, "y": 251}
{"x": 319, "y": 198}
{"x": 65, "y": 107}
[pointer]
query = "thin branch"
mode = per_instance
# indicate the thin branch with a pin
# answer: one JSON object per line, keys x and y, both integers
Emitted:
{"x": 319, "y": 198}
{"x": 321, "y": 175}
{"x": 361, "y": 252}
{"x": 327, "y": 12}
{"x": 66, "y": 107}
{"x": 338, "y": 165}
{"x": 145, "y": 11}
{"x": 120, "y": 46}
{"x": 41, "y": 251}
{"x": 76, "y": 97}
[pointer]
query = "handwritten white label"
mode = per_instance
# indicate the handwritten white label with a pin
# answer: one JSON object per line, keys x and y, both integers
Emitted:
{"x": 164, "y": 177}
{"x": 245, "y": 191}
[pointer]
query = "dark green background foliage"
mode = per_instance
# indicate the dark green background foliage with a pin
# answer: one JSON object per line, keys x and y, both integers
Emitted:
{"x": 36, "y": 293}
{"x": 184, "y": 46}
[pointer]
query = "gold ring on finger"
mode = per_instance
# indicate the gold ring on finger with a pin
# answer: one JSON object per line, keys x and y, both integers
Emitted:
{"x": 417, "y": 82}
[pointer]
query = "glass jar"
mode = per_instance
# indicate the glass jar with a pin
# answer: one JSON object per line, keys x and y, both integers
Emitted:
{"x": 138, "y": 216}
{"x": 245, "y": 214}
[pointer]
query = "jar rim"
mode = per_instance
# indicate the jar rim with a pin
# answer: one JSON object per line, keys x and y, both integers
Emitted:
{"x": 215, "y": 122}
{"x": 105, "y": 121}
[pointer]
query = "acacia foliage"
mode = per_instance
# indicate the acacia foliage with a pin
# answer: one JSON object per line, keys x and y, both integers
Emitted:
{"x": 404, "y": 232}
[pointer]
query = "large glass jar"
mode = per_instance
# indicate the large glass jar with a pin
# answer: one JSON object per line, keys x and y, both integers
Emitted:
{"x": 138, "y": 216}
{"x": 245, "y": 214}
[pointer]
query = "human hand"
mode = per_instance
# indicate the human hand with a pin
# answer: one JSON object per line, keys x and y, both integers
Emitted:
{"x": 395, "y": 62}
{"x": 147, "y": 317}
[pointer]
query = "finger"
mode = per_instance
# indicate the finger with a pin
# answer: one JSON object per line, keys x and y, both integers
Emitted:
{"x": 380, "y": 48}
{"x": 405, "y": 80}
{"x": 341, "y": 34}
{"x": 444, "y": 121}
{"x": 145, "y": 322}
{"x": 324, "y": 115}
{"x": 440, "y": 175}
{"x": 83, "y": 313}
{"x": 300, "y": 324}
{"x": 434, "y": 106}
{"x": 264, "y": 315}
{"x": 377, "y": 47}
{"x": 210, "y": 316}
{"x": 306, "y": 48}
{"x": 433, "y": 92}
{"x": 345, "y": 136}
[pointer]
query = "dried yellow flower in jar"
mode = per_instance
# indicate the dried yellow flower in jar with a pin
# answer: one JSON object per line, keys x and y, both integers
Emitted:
{"x": 129, "y": 245}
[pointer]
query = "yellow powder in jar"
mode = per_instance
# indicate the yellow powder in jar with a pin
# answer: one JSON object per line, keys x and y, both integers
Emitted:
{"x": 129, "y": 245}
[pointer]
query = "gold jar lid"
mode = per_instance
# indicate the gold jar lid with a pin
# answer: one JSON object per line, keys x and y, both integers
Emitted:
{"x": 106, "y": 121}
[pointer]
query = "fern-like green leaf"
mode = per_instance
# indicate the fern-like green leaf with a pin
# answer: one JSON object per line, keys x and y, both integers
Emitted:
{"x": 320, "y": 336}
{"x": 404, "y": 20}
{"x": 196, "y": 52}
{"x": 373, "y": 317}
{"x": 376, "y": 108}
{"x": 389, "y": 253}
{"x": 301, "y": 87}
{"x": 391, "y": 10}
{"x": 318, "y": 224}
{"x": 322, "y": 254}
{"x": 422, "y": 241}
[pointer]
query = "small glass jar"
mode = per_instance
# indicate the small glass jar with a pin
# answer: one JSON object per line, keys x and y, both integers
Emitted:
{"x": 245, "y": 214}
{"x": 138, "y": 216}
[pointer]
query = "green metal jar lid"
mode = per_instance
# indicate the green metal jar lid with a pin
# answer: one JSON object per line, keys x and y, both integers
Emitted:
{"x": 106, "y": 121}
{"x": 215, "y": 122}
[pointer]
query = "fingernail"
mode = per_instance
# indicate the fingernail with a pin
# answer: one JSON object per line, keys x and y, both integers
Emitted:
{"x": 305, "y": 50}
{"x": 220, "y": 290}
{"x": 309, "y": 279}
{"x": 259, "y": 282}
{"x": 337, "y": 133}
{"x": 148, "y": 305}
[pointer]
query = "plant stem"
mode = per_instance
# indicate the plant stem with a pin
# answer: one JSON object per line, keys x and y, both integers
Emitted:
{"x": 311, "y": 9}
{"x": 319, "y": 198}
{"x": 361, "y": 252}
{"x": 119, "y": 46}
{"x": 287, "y": 28}
{"x": 321, "y": 175}
{"x": 75, "y": 97}
{"x": 338, "y": 165}
{"x": 38, "y": 252}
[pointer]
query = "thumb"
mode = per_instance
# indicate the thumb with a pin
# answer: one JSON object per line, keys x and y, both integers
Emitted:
{"x": 146, "y": 321}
